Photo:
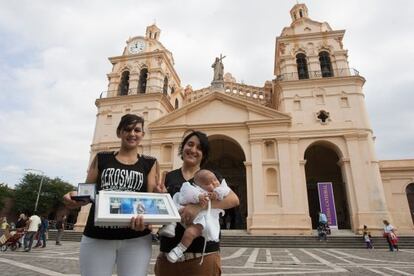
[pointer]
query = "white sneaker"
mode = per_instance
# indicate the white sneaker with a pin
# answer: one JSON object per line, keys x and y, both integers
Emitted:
{"x": 175, "y": 254}
{"x": 168, "y": 230}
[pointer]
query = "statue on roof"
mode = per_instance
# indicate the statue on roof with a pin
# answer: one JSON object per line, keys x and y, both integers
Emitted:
{"x": 218, "y": 69}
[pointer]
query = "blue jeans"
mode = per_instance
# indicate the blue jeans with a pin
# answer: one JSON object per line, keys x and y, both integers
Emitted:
{"x": 28, "y": 239}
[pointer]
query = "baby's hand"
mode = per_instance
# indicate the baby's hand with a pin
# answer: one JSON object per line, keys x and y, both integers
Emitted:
{"x": 203, "y": 200}
{"x": 213, "y": 196}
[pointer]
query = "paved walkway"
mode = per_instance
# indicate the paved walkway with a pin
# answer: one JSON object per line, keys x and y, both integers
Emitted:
{"x": 63, "y": 260}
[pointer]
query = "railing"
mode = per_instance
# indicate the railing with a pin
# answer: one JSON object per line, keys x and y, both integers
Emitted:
{"x": 248, "y": 92}
{"x": 344, "y": 72}
{"x": 114, "y": 93}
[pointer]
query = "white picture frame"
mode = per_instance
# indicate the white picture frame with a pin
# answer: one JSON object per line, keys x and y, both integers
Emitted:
{"x": 116, "y": 208}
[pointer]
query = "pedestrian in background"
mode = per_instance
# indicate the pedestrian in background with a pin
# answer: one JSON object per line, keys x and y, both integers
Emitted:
{"x": 42, "y": 232}
{"x": 20, "y": 226}
{"x": 390, "y": 236}
{"x": 60, "y": 226}
{"x": 322, "y": 218}
{"x": 33, "y": 225}
{"x": 366, "y": 235}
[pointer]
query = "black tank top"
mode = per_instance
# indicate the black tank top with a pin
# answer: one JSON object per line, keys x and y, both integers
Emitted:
{"x": 115, "y": 176}
{"x": 173, "y": 182}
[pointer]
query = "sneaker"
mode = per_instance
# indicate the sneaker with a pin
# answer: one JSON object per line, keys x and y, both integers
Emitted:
{"x": 168, "y": 230}
{"x": 175, "y": 254}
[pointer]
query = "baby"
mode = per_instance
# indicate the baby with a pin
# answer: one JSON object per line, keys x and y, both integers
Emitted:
{"x": 206, "y": 187}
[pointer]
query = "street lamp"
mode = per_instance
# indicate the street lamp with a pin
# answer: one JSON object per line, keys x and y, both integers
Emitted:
{"x": 40, "y": 186}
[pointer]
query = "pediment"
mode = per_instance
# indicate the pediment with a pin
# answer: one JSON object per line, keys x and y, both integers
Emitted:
{"x": 304, "y": 26}
{"x": 219, "y": 108}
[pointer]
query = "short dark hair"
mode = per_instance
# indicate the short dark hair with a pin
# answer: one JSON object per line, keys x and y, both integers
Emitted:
{"x": 127, "y": 120}
{"x": 204, "y": 145}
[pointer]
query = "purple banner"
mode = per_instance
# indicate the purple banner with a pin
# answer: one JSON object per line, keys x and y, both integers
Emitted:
{"x": 327, "y": 202}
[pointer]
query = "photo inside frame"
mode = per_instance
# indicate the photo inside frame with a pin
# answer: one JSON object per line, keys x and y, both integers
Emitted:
{"x": 116, "y": 208}
{"x": 86, "y": 189}
{"x": 137, "y": 206}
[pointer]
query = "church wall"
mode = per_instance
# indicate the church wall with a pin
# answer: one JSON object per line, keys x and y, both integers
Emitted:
{"x": 342, "y": 99}
{"x": 396, "y": 176}
{"x": 274, "y": 142}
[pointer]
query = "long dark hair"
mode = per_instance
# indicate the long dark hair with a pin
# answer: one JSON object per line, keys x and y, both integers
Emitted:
{"x": 204, "y": 145}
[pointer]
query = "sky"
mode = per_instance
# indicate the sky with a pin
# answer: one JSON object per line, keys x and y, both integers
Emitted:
{"x": 54, "y": 61}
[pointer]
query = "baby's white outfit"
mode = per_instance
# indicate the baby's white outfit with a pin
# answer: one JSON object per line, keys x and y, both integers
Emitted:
{"x": 189, "y": 194}
{"x": 209, "y": 220}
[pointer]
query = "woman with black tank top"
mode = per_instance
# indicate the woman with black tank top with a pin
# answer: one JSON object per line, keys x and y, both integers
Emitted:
{"x": 130, "y": 247}
{"x": 194, "y": 152}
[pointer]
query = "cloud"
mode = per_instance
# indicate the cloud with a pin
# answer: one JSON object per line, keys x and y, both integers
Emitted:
{"x": 53, "y": 65}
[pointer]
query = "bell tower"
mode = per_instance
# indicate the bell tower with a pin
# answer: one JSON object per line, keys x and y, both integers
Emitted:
{"x": 143, "y": 81}
{"x": 324, "y": 96}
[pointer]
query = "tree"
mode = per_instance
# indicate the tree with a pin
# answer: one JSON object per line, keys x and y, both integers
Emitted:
{"x": 5, "y": 192}
{"x": 51, "y": 195}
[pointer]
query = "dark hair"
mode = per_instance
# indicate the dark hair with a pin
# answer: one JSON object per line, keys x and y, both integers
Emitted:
{"x": 204, "y": 145}
{"x": 216, "y": 174}
{"x": 127, "y": 120}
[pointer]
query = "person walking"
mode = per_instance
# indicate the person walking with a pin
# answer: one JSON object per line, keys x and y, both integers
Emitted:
{"x": 129, "y": 248}
{"x": 60, "y": 227}
{"x": 42, "y": 232}
{"x": 390, "y": 236}
{"x": 20, "y": 226}
{"x": 194, "y": 151}
{"x": 33, "y": 225}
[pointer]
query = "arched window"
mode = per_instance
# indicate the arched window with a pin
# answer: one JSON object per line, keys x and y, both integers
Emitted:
{"x": 410, "y": 197}
{"x": 326, "y": 66}
{"x": 124, "y": 85}
{"x": 142, "y": 85}
{"x": 302, "y": 65}
{"x": 176, "y": 104}
{"x": 165, "y": 88}
{"x": 300, "y": 13}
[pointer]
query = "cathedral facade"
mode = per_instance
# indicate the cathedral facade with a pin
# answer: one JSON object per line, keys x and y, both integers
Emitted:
{"x": 274, "y": 144}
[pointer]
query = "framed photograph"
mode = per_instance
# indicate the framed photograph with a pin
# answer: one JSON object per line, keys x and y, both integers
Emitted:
{"x": 87, "y": 189}
{"x": 115, "y": 208}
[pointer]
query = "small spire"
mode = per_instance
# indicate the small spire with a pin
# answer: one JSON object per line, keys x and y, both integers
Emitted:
{"x": 153, "y": 32}
{"x": 298, "y": 12}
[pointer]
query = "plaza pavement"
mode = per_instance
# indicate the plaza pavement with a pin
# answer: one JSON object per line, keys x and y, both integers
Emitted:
{"x": 63, "y": 260}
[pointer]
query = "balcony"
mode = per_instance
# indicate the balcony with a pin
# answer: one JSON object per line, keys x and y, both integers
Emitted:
{"x": 344, "y": 72}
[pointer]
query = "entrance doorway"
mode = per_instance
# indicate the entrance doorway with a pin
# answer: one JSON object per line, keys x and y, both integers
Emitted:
{"x": 322, "y": 166}
{"x": 227, "y": 157}
{"x": 410, "y": 197}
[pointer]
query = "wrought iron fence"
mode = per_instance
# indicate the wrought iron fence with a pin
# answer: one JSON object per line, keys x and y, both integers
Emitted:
{"x": 343, "y": 72}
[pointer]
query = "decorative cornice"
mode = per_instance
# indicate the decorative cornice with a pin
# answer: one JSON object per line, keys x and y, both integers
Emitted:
{"x": 270, "y": 162}
{"x": 334, "y": 81}
{"x": 135, "y": 98}
{"x": 154, "y": 54}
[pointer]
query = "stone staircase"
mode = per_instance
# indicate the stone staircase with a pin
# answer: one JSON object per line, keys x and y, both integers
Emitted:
{"x": 237, "y": 238}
